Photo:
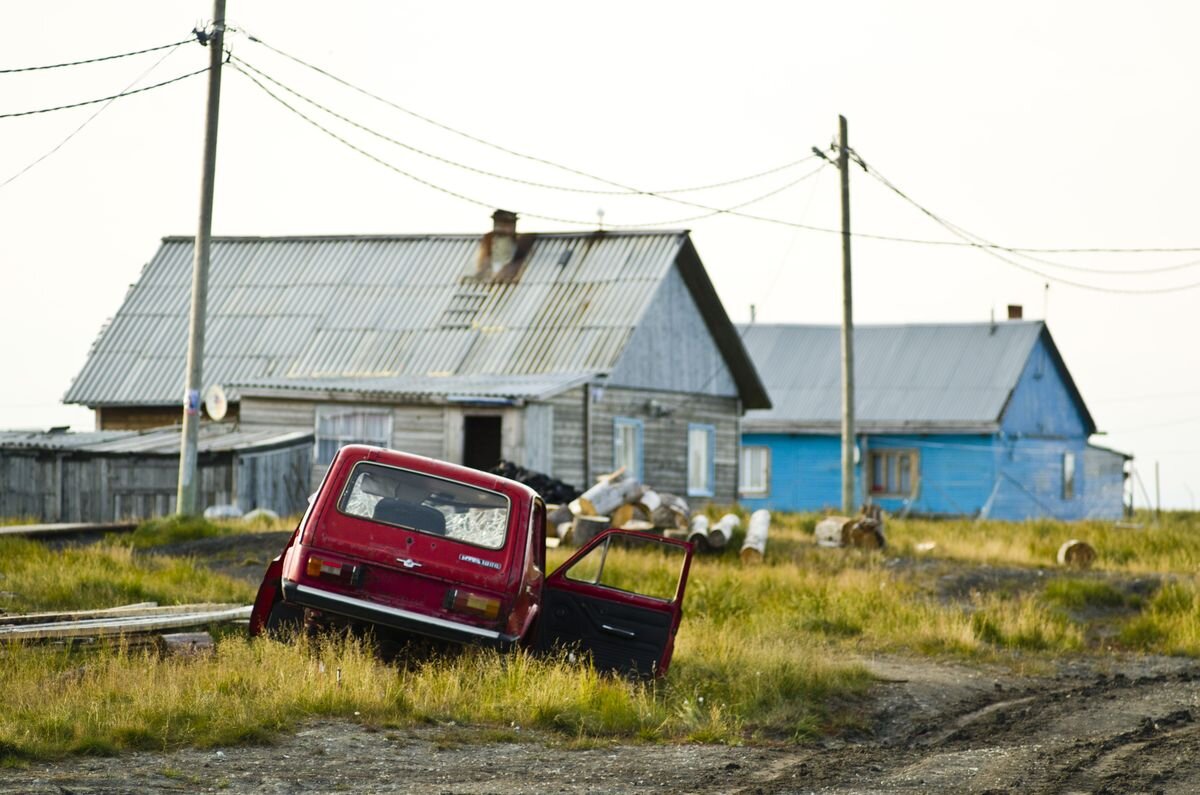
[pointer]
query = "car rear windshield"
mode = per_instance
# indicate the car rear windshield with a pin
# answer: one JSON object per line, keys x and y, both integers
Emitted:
{"x": 427, "y": 504}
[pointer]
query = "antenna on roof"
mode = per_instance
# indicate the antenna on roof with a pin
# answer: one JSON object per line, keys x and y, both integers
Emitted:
{"x": 1046, "y": 302}
{"x": 600, "y": 218}
{"x": 992, "y": 330}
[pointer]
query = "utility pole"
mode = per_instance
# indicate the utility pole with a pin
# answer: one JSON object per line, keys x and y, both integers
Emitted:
{"x": 185, "y": 498}
{"x": 847, "y": 327}
{"x": 1157, "y": 495}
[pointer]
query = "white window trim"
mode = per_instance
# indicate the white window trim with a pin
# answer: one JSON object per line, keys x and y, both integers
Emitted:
{"x": 894, "y": 453}
{"x": 638, "y": 453}
{"x": 711, "y": 476}
{"x": 744, "y": 489}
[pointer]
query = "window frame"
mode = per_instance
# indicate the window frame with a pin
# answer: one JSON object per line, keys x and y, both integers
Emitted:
{"x": 638, "y": 427}
{"x": 746, "y": 489}
{"x": 892, "y": 457}
{"x": 333, "y": 411}
{"x": 709, "y": 488}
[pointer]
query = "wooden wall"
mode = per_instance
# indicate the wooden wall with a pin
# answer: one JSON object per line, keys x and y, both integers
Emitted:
{"x": 665, "y": 417}
{"x": 72, "y": 486}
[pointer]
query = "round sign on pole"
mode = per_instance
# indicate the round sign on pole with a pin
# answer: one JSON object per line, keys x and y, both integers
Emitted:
{"x": 215, "y": 404}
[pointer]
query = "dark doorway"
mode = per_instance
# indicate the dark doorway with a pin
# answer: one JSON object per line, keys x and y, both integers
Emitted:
{"x": 481, "y": 442}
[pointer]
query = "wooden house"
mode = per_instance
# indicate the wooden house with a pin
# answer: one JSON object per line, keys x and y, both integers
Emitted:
{"x": 976, "y": 419}
{"x": 572, "y": 354}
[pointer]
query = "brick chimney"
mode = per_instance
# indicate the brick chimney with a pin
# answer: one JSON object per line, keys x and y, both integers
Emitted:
{"x": 503, "y": 241}
{"x": 1015, "y": 312}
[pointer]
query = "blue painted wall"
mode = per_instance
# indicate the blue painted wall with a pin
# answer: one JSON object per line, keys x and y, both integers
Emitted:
{"x": 1041, "y": 404}
{"x": 996, "y": 476}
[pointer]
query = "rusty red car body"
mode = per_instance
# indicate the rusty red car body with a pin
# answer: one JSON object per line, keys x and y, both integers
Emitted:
{"x": 410, "y": 546}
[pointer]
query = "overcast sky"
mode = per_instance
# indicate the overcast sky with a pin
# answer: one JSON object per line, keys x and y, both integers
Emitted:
{"x": 1030, "y": 124}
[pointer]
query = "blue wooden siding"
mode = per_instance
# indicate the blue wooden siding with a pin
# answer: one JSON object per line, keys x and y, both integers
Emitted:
{"x": 1041, "y": 404}
{"x": 806, "y": 472}
{"x": 997, "y": 476}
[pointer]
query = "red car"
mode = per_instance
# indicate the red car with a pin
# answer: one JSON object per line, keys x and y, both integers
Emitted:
{"x": 409, "y": 546}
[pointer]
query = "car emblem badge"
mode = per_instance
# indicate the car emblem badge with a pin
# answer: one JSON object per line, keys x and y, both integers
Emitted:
{"x": 408, "y": 563}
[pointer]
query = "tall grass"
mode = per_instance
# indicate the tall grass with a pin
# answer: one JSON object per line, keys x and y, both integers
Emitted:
{"x": 34, "y": 577}
{"x": 766, "y": 651}
{"x": 1172, "y": 544}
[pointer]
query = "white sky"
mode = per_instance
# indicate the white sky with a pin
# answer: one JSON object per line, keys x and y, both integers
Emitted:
{"x": 1036, "y": 124}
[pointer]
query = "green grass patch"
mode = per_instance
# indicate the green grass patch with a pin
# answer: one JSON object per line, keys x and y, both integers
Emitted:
{"x": 179, "y": 529}
{"x": 36, "y": 578}
{"x": 1077, "y": 594}
{"x": 1170, "y": 544}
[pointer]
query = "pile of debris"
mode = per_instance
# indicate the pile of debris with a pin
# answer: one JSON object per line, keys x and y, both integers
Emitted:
{"x": 623, "y": 502}
{"x": 864, "y": 531}
{"x": 550, "y": 489}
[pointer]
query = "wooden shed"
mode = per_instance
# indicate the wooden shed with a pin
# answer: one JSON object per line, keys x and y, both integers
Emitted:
{"x": 105, "y": 476}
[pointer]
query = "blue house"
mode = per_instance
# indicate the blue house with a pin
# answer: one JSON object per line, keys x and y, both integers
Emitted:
{"x": 975, "y": 419}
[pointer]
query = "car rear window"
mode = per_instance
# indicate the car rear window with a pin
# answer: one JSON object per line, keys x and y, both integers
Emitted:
{"x": 427, "y": 504}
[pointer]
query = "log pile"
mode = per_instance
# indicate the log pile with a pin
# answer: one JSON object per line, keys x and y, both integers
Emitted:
{"x": 617, "y": 500}
{"x": 864, "y": 531}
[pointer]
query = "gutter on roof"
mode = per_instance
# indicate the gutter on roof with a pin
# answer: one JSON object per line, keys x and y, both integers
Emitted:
{"x": 864, "y": 428}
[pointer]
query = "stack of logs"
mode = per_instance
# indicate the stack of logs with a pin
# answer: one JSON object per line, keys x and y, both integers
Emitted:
{"x": 623, "y": 502}
{"x": 864, "y": 531}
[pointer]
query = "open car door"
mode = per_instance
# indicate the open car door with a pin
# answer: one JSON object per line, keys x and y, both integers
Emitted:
{"x": 619, "y": 599}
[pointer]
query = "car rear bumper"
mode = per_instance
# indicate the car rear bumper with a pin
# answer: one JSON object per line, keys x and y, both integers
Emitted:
{"x": 393, "y": 617}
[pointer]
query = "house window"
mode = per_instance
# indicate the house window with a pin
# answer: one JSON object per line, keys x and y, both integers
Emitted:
{"x": 893, "y": 473}
{"x": 627, "y": 446}
{"x": 702, "y": 442}
{"x": 341, "y": 425}
{"x": 755, "y": 472}
{"x": 1068, "y": 475}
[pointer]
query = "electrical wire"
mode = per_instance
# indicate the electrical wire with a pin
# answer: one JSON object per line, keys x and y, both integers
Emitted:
{"x": 93, "y": 60}
{"x": 993, "y": 249}
{"x": 661, "y": 193}
{"x": 91, "y": 118}
{"x": 448, "y": 161}
{"x": 103, "y": 99}
{"x": 623, "y": 189}
{"x": 236, "y": 64}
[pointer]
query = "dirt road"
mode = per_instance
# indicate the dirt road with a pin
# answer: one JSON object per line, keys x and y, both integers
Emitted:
{"x": 1131, "y": 725}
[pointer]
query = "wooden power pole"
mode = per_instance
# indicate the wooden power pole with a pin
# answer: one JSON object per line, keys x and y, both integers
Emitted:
{"x": 185, "y": 498}
{"x": 847, "y": 327}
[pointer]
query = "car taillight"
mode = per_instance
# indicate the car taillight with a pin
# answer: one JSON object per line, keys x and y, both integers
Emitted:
{"x": 319, "y": 567}
{"x": 462, "y": 601}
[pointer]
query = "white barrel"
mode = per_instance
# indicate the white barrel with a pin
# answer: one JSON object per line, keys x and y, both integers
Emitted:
{"x": 719, "y": 534}
{"x": 755, "y": 545}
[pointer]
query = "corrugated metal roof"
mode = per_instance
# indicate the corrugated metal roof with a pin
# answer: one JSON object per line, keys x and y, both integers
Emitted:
{"x": 907, "y": 377}
{"x": 376, "y": 308}
{"x": 448, "y": 388}
{"x": 214, "y": 438}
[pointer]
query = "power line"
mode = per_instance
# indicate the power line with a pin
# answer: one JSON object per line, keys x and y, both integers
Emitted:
{"x": 711, "y": 211}
{"x": 578, "y": 172}
{"x": 993, "y": 249}
{"x": 103, "y": 99}
{"x": 91, "y": 118}
{"x": 93, "y": 60}
{"x": 623, "y": 189}
{"x": 448, "y": 161}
